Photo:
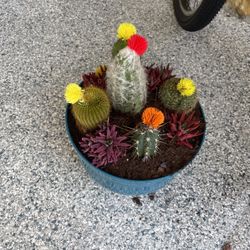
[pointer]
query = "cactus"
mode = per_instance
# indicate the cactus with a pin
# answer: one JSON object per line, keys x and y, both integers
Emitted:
{"x": 90, "y": 107}
{"x": 178, "y": 94}
{"x": 126, "y": 78}
{"x": 124, "y": 33}
{"x": 119, "y": 45}
{"x": 146, "y": 142}
{"x": 147, "y": 136}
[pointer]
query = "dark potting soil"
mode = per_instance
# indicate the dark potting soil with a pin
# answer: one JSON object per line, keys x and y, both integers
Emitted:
{"x": 170, "y": 157}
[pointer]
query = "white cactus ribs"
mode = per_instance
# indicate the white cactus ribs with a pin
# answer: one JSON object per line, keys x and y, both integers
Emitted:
{"x": 126, "y": 82}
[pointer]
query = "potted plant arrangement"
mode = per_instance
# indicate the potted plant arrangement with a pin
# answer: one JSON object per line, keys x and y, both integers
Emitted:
{"x": 133, "y": 126}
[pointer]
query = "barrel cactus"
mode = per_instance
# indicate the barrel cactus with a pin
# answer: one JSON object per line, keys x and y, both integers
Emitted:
{"x": 126, "y": 78}
{"x": 90, "y": 106}
{"x": 147, "y": 135}
{"x": 178, "y": 94}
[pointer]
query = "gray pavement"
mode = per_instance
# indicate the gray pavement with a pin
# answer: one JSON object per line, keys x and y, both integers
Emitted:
{"x": 47, "y": 201}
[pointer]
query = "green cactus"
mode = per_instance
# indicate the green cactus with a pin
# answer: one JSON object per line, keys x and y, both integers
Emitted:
{"x": 126, "y": 82}
{"x": 172, "y": 98}
{"x": 146, "y": 142}
{"x": 92, "y": 109}
{"x": 119, "y": 45}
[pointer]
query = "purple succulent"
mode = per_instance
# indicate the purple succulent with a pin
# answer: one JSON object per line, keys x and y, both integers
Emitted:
{"x": 157, "y": 75}
{"x": 182, "y": 128}
{"x": 98, "y": 80}
{"x": 105, "y": 146}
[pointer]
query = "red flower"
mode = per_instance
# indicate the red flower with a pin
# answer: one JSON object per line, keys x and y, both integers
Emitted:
{"x": 138, "y": 43}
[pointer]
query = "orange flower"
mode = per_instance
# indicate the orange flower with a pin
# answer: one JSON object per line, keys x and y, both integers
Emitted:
{"x": 152, "y": 117}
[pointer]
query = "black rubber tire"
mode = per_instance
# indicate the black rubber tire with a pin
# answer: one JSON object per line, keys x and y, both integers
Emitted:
{"x": 201, "y": 17}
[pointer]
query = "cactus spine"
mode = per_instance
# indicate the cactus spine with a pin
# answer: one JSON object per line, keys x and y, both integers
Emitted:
{"x": 179, "y": 95}
{"x": 92, "y": 109}
{"x": 126, "y": 82}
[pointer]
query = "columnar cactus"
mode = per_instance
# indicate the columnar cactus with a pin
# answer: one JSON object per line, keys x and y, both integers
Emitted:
{"x": 146, "y": 141}
{"x": 90, "y": 106}
{"x": 147, "y": 136}
{"x": 126, "y": 78}
{"x": 178, "y": 94}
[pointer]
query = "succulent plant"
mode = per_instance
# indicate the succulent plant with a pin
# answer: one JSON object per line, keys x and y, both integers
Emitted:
{"x": 90, "y": 106}
{"x": 178, "y": 94}
{"x": 118, "y": 45}
{"x": 147, "y": 135}
{"x": 105, "y": 146}
{"x": 97, "y": 78}
{"x": 126, "y": 78}
{"x": 124, "y": 32}
{"x": 100, "y": 71}
{"x": 156, "y": 76}
{"x": 182, "y": 128}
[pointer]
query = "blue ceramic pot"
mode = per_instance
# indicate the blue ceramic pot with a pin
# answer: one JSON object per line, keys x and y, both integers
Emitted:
{"x": 118, "y": 184}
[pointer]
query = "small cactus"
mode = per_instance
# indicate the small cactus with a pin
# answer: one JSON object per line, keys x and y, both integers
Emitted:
{"x": 178, "y": 94}
{"x": 146, "y": 142}
{"x": 126, "y": 78}
{"x": 147, "y": 136}
{"x": 124, "y": 32}
{"x": 90, "y": 106}
{"x": 119, "y": 45}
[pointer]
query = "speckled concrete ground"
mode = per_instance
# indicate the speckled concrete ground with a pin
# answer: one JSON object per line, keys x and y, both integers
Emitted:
{"x": 47, "y": 200}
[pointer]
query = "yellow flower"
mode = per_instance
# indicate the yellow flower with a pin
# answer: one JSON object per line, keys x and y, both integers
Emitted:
{"x": 186, "y": 87}
{"x": 125, "y": 31}
{"x": 73, "y": 93}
